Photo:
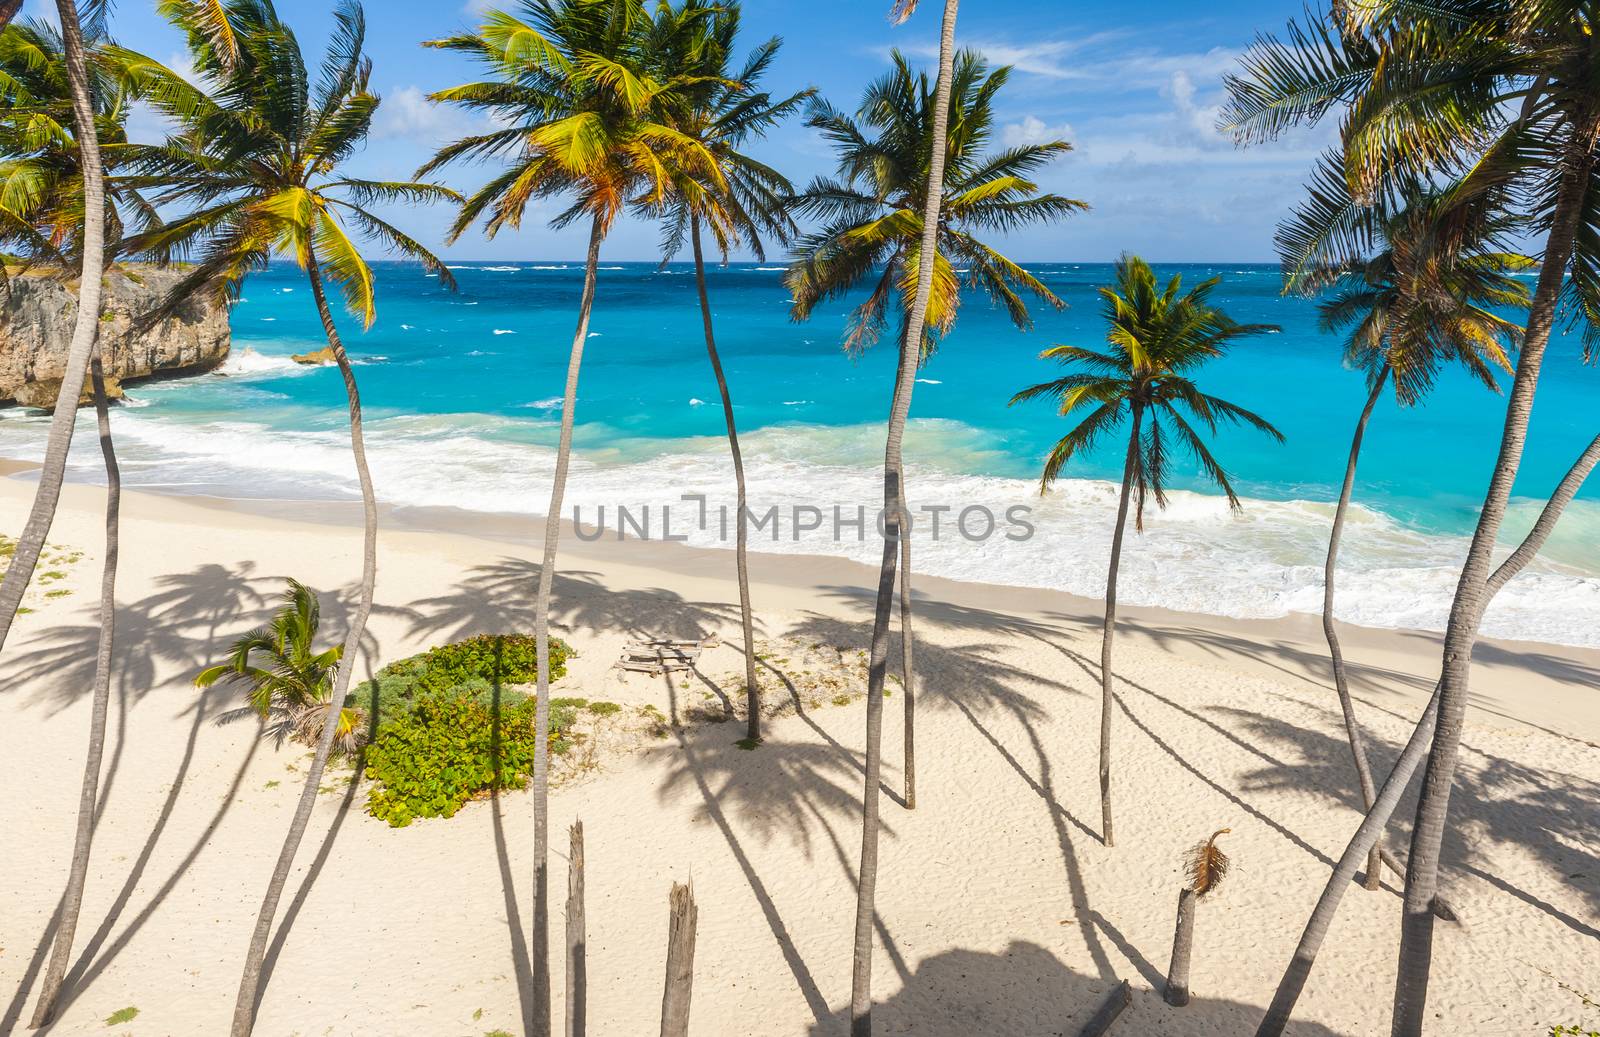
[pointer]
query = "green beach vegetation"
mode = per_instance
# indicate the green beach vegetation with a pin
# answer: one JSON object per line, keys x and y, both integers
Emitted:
{"x": 1465, "y": 131}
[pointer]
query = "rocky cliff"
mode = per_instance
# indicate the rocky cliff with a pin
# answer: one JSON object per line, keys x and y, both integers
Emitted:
{"x": 37, "y": 314}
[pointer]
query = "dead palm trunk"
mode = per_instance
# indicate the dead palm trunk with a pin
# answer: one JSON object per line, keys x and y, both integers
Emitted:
{"x": 87, "y": 323}
{"x": 752, "y": 692}
{"x": 910, "y": 352}
{"x": 1110, "y": 628}
{"x": 244, "y": 1009}
{"x": 1321, "y": 920}
{"x": 77, "y": 875}
{"x": 1466, "y": 612}
{"x": 1341, "y": 683}
{"x": 539, "y": 1025}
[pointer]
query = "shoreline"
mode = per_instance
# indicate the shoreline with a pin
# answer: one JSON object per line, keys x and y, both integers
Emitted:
{"x": 1552, "y": 687}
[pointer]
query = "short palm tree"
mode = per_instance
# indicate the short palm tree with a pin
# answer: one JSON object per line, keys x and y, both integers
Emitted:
{"x": 286, "y": 679}
{"x": 1158, "y": 338}
{"x": 723, "y": 115}
{"x": 1505, "y": 92}
{"x": 1413, "y": 279}
{"x": 872, "y": 217}
{"x": 583, "y": 116}
{"x": 255, "y": 171}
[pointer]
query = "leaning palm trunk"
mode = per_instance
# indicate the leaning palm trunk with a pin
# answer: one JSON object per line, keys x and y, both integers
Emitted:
{"x": 88, "y": 796}
{"x": 910, "y": 353}
{"x": 43, "y": 512}
{"x": 244, "y": 1009}
{"x": 539, "y": 1024}
{"x": 1110, "y": 628}
{"x": 8, "y": 11}
{"x": 1341, "y": 682}
{"x": 752, "y": 692}
{"x": 1466, "y": 612}
{"x": 1366, "y": 836}
{"x": 908, "y": 667}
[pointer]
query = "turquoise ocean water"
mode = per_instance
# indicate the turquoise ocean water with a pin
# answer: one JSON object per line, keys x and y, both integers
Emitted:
{"x": 462, "y": 393}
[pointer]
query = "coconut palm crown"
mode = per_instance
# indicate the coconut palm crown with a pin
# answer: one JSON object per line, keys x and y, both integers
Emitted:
{"x": 871, "y": 211}
{"x": 1157, "y": 338}
{"x": 41, "y": 183}
{"x": 255, "y": 163}
{"x": 582, "y": 113}
{"x": 1413, "y": 279}
{"x": 721, "y": 112}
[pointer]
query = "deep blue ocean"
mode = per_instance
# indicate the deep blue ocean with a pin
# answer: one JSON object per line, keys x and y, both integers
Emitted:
{"x": 462, "y": 395}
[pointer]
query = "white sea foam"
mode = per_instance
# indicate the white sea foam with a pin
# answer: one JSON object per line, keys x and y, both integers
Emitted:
{"x": 245, "y": 362}
{"x": 696, "y": 402}
{"x": 1195, "y": 556}
{"x": 504, "y": 331}
{"x": 929, "y": 381}
{"x": 268, "y": 320}
{"x": 503, "y": 269}
{"x": 406, "y": 327}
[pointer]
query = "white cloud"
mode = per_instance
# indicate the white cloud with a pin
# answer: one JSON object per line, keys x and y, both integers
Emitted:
{"x": 407, "y": 113}
{"x": 1034, "y": 130}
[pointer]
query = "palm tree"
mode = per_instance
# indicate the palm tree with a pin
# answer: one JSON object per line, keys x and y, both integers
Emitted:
{"x": 872, "y": 230}
{"x": 285, "y": 677}
{"x": 1413, "y": 277}
{"x": 85, "y": 325}
{"x": 581, "y": 117}
{"x": 42, "y": 209}
{"x": 1157, "y": 339}
{"x": 722, "y": 115}
{"x": 256, "y": 166}
{"x": 893, "y": 510}
{"x": 1504, "y": 91}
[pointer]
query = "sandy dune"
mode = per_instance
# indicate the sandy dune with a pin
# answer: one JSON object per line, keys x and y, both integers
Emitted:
{"x": 1001, "y": 913}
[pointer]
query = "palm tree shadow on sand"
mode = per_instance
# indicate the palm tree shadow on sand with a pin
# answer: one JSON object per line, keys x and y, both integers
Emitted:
{"x": 1025, "y": 991}
{"x": 498, "y": 598}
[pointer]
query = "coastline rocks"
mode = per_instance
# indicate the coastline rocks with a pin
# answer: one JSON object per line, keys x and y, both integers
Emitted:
{"x": 316, "y": 357}
{"x": 37, "y": 313}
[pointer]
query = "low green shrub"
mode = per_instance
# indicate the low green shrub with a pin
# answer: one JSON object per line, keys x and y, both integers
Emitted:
{"x": 448, "y": 748}
{"x": 473, "y": 667}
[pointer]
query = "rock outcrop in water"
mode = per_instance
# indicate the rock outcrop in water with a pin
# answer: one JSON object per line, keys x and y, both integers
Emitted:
{"x": 36, "y": 317}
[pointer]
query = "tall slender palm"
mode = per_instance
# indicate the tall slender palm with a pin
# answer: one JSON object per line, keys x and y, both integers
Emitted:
{"x": 893, "y": 510}
{"x": 1158, "y": 339}
{"x": 43, "y": 205}
{"x": 872, "y": 229}
{"x": 1413, "y": 277}
{"x": 255, "y": 167}
{"x": 1505, "y": 91}
{"x": 723, "y": 114}
{"x": 582, "y": 118}
{"x": 85, "y": 325}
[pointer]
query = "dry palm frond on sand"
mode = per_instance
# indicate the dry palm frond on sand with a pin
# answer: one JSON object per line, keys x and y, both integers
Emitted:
{"x": 1207, "y": 865}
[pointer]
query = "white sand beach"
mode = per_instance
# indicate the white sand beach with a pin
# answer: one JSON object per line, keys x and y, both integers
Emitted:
{"x": 1000, "y": 911}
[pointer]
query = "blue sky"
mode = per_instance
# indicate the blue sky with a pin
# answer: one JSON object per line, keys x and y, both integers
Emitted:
{"x": 1134, "y": 86}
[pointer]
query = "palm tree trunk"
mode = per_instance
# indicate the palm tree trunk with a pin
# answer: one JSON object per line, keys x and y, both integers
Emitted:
{"x": 539, "y": 1024}
{"x": 8, "y": 11}
{"x": 752, "y": 690}
{"x": 1321, "y": 920}
{"x": 87, "y": 323}
{"x": 1177, "y": 991}
{"x": 244, "y": 1008}
{"x": 1341, "y": 682}
{"x": 908, "y": 670}
{"x": 1110, "y": 628}
{"x": 910, "y": 353}
{"x": 1466, "y": 612}
{"x": 77, "y": 875}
